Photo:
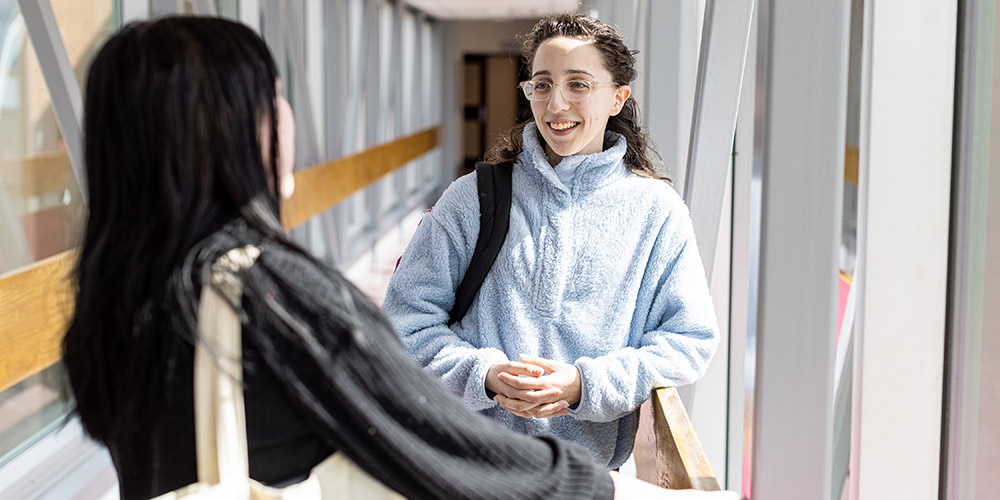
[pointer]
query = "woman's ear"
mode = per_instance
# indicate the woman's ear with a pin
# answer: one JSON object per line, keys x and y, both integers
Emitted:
{"x": 621, "y": 95}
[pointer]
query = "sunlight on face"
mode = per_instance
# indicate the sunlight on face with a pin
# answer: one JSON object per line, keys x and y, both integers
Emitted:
{"x": 574, "y": 127}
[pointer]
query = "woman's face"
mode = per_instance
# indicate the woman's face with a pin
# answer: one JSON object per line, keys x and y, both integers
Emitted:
{"x": 574, "y": 127}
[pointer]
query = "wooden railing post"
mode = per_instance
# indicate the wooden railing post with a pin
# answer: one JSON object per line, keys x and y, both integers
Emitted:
{"x": 667, "y": 451}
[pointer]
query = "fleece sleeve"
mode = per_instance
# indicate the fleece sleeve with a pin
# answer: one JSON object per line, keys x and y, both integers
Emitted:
{"x": 679, "y": 337}
{"x": 421, "y": 293}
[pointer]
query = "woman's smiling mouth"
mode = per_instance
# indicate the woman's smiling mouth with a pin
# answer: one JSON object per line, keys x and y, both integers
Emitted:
{"x": 562, "y": 127}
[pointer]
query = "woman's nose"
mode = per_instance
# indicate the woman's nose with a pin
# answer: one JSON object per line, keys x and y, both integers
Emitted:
{"x": 557, "y": 101}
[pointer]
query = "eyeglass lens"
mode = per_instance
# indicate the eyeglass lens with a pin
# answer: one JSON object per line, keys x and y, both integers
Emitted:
{"x": 573, "y": 90}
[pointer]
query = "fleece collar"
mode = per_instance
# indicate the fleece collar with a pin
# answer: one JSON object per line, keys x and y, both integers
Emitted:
{"x": 593, "y": 171}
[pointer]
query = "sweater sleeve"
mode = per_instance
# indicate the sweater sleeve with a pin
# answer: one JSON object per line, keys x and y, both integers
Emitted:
{"x": 370, "y": 401}
{"x": 678, "y": 340}
{"x": 421, "y": 294}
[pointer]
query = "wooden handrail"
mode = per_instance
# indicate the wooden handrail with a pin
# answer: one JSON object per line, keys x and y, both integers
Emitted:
{"x": 323, "y": 186}
{"x": 851, "y": 158}
{"x": 667, "y": 450}
{"x": 37, "y": 300}
{"x": 37, "y": 303}
{"x": 36, "y": 175}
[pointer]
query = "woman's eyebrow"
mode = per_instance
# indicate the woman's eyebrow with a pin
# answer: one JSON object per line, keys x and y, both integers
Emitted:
{"x": 545, "y": 72}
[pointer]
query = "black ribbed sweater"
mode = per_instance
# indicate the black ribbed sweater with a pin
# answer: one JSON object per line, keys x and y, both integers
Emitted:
{"x": 366, "y": 399}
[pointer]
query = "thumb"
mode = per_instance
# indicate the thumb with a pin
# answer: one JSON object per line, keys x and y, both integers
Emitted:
{"x": 548, "y": 364}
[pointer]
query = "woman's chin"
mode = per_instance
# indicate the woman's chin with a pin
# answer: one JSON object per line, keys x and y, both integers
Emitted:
{"x": 563, "y": 150}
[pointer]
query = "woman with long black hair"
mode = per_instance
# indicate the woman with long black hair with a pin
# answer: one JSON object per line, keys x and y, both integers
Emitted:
{"x": 188, "y": 148}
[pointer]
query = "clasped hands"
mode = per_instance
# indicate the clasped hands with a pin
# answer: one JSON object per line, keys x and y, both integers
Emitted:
{"x": 536, "y": 387}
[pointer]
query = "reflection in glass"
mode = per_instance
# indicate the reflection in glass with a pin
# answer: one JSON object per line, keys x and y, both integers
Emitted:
{"x": 41, "y": 208}
{"x": 31, "y": 409}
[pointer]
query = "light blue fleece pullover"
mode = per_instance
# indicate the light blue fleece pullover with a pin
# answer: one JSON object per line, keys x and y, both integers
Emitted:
{"x": 605, "y": 275}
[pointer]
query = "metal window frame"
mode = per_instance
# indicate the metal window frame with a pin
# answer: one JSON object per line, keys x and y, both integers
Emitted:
{"x": 725, "y": 35}
{"x": 970, "y": 196}
{"x": 67, "y": 102}
{"x": 58, "y": 465}
{"x": 742, "y": 360}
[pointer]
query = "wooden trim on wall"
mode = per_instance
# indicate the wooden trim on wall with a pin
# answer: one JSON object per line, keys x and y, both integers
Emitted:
{"x": 37, "y": 299}
{"x": 36, "y": 175}
{"x": 37, "y": 304}
{"x": 321, "y": 187}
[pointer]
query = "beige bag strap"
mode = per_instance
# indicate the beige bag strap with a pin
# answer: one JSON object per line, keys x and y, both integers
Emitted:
{"x": 220, "y": 420}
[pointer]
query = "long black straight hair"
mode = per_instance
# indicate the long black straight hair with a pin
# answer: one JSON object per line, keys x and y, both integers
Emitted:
{"x": 175, "y": 113}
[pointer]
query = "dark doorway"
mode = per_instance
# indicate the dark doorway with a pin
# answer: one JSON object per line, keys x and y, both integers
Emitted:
{"x": 492, "y": 103}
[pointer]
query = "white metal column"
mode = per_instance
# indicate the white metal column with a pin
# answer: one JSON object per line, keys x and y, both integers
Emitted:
{"x": 133, "y": 10}
{"x": 673, "y": 65}
{"x": 67, "y": 103}
{"x": 905, "y": 181}
{"x": 249, "y": 13}
{"x": 708, "y": 191}
{"x": 799, "y": 160}
{"x": 713, "y": 125}
{"x": 158, "y": 8}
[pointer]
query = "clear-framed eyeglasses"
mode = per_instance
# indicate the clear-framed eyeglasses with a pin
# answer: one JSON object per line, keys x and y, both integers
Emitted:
{"x": 572, "y": 90}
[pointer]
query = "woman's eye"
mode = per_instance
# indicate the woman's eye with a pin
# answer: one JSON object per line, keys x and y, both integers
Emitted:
{"x": 543, "y": 86}
{"x": 578, "y": 85}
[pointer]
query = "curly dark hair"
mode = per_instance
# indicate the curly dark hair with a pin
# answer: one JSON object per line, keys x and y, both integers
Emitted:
{"x": 619, "y": 60}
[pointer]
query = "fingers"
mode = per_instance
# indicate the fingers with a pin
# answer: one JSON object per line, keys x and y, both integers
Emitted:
{"x": 524, "y": 383}
{"x": 515, "y": 368}
{"x": 515, "y": 406}
{"x": 547, "y": 394}
{"x": 550, "y": 395}
{"x": 530, "y": 399}
{"x": 557, "y": 409}
{"x": 528, "y": 410}
{"x": 548, "y": 364}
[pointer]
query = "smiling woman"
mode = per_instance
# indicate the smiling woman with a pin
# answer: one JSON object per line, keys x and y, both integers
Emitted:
{"x": 571, "y": 329}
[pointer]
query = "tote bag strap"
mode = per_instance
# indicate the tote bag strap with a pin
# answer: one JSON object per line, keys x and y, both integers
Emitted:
{"x": 220, "y": 420}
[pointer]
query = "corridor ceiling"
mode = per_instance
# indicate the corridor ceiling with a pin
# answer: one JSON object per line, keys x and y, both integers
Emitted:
{"x": 466, "y": 10}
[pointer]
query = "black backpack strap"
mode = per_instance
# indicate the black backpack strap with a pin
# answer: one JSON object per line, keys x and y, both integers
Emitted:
{"x": 494, "y": 182}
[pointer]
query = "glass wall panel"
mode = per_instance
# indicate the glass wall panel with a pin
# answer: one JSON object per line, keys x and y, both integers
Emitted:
{"x": 843, "y": 369}
{"x": 41, "y": 209}
{"x": 973, "y": 387}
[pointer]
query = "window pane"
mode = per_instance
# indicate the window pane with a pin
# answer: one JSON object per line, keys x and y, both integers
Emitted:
{"x": 41, "y": 209}
{"x": 30, "y": 409}
{"x": 40, "y": 203}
